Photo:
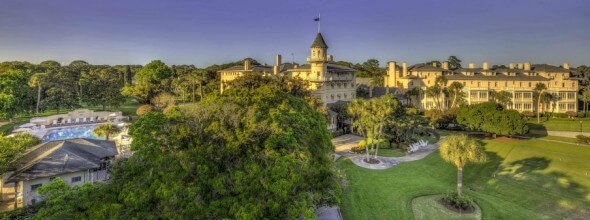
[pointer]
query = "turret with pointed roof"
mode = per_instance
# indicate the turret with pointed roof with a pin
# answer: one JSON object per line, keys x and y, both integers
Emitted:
{"x": 319, "y": 42}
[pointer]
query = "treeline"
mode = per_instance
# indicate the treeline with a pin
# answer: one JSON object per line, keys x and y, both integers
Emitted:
{"x": 27, "y": 88}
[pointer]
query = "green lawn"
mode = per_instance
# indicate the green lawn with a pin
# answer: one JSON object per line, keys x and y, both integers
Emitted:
{"x": 560, "y": 124}
{"x": 524, "y": 179}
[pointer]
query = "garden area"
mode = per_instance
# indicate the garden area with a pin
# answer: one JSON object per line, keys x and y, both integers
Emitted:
{"x": 522, "y": 179}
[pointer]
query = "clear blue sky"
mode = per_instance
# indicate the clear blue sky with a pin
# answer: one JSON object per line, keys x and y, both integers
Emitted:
{"x": 216, "y": 31}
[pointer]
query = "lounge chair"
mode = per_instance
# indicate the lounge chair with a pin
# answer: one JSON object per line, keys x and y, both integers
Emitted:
{"x": 91, "y": 119}
{"x": 77, "y": 120}
{"x": 68, "y": 121}
{"x": 54, "y": 122}
{"x": 83, "y": 120}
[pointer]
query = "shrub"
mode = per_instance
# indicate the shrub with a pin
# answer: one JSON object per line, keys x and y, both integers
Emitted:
{"x": 528, "y": 114}
{"x": 464, "y": 202}
{"x": 144, "y": 109}
{"x": 583, "y": 139}
{"x": 383, "y": 144}
{"x": 337, "y": 133}
{"x": 571, "y": 114}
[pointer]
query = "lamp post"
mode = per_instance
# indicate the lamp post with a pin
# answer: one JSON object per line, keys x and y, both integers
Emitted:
{"x": 580, "y": 126}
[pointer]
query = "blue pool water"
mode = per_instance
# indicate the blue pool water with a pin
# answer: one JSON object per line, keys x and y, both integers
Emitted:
{"x": 70, "y": 132}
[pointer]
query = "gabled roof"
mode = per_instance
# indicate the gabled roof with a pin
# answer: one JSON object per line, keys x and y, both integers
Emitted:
{"x": 319, "y": 41}
{"x": 549, "y": 68}
{"x": 498, "y": 77}
{"x": 252, "y": 68}
{"x": 425, "y": 67}
{"x": 63, "y": 156}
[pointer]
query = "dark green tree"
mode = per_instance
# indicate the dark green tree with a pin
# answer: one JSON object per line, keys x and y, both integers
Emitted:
{"x": 153, "y": 78}
{"x": 102, "y": 87}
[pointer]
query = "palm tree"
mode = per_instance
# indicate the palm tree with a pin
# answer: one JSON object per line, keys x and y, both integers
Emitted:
{"x": 106, "y": 129}
{"x": 441, "y": 81}
{"x": 36, "y": 81}
{"x": 433, "y": 92}
{"x": 455, "y": 89}
{"x": 540, "y": 88}
{"x": 461, "y": 150}
{"x": 585, "y": 98}
{"x": 502, "y": 97}
{"x": 358, "y": 109}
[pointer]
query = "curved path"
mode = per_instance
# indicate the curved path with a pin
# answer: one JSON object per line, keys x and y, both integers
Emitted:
{"x": 344, "y": 143}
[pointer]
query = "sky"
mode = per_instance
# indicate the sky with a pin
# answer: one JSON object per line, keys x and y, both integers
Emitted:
{"x": 207, "y": 32}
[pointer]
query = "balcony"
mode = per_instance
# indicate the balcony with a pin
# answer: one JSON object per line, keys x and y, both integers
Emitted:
{"x": 315, "y": 59}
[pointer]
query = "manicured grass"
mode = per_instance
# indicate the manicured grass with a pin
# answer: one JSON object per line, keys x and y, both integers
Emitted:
{"x": 560, "y": 124}
{"x": 391, "y": 153}
{"x": 522, "y": 179}
{"x": 430, "y": 207}
{"x": 565, "y": 139}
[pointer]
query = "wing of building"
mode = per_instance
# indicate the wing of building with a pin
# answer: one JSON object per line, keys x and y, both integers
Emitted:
{"x": 76, "y": 161}
{"x": 327, "y": 81}
{"x": 480, "y": 83}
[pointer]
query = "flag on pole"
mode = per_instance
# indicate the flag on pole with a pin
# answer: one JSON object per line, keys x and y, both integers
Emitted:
{"x": 319, "y": 22}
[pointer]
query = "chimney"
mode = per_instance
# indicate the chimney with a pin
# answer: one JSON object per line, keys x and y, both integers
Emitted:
{"x": 404, "y": 68}
{"x": 527, "y": 66}
{"x": 330, "y": 58}
{"x": 277, "y": 64}
{"x": 445, "y": 65}
{"x": 278, "y": 60}
{"x": 471, "y": 65}
{"x": 391, "y": 76}
{"x": 246, "y": 64}
{"x": 520, "y": 66}
{"x": 486, "y": 65}
{"x": 434, "y": 64}
{"x": 511, "y": 66}
{"x": 566, "y": 65}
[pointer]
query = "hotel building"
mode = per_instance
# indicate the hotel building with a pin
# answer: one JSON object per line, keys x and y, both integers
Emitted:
{"x": 480, "y": 82}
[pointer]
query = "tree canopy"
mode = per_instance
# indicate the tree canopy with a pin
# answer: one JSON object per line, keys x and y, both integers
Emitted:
{"x": 248, "y": 153}
{"x": 493, "y": 118}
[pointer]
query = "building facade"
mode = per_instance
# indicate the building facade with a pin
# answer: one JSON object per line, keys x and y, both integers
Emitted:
{"x": 327, "y": 81}
{"x": 76, "y": 161}
{"x": 480, "y": 83}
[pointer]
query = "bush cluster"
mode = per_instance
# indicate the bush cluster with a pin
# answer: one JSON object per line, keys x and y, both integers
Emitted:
{"x": 464, "y": 202}
{"x": 582, "y": 139}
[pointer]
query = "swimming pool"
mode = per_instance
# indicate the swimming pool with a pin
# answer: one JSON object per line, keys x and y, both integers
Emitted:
{"x": 84, "y": 131}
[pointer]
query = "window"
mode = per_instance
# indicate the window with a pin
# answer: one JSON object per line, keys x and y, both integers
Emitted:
{"x": 34, "y": 187}
{"x": 571, "y": 106}
{"x": 527, "y": 95}
{"x": 528, "y": 106}
{"x": 76, "y": 179}
{"x": 530, "y": 85}
{"x": 570, "y": 95}
{"x": 482, "y": 95}
{"x": 505, "y": 84}
{"x": 562, "y": 84}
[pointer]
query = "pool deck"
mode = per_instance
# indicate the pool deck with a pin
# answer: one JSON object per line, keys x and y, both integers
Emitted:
{"x": 41, "y": 133}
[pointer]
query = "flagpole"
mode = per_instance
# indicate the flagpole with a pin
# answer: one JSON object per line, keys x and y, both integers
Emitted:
{"x": 319, "y": 23}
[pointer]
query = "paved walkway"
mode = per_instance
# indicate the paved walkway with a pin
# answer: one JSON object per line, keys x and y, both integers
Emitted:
{"x": 569, "y": 134}
{"x": 344, "y": 143}
{"x": 328, "y": 213}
